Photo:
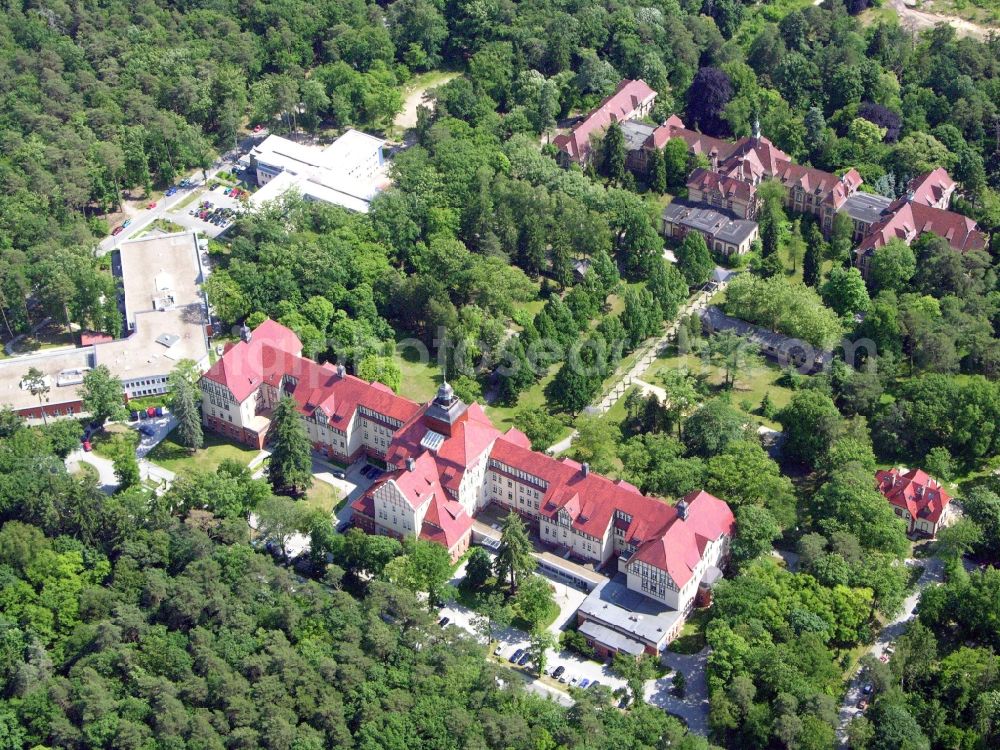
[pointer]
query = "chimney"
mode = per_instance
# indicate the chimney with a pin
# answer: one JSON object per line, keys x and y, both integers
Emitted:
{"x": 341, "y": 371}
{"x": 410, "y": 464}
{"x": 682, "y": 510}
{"x": 245, "y": 333}
{"x": 585, "y": 468}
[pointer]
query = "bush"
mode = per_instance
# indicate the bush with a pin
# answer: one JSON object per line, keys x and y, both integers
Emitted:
{"x": 574, "y": 640}
{"x": 98, "y": 227}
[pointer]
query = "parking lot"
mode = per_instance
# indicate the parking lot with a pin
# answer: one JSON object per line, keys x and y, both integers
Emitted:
{"x": 211, "y": 213}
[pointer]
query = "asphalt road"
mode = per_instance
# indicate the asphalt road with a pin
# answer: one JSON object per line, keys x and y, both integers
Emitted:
{"x": 933, "y": 574}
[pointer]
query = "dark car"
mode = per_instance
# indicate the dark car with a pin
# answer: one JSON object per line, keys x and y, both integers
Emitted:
{"x": 515, "y": 657}
{"x": 444, "y": 621}
{"x": 339, "y": 473}
{"x": 147, "y": 429}
{"x": 558, "y": 671}
{"x": 525, "y": 658}
{"x": 867, "y": 689}
{"x": 595, "y": 683}
{"x": 623, "y": 703}
{"x": 343, "y": 526}
{"x": 134, "y": 415}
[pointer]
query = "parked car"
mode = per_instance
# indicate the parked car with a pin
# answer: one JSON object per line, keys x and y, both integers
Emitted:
{"x": 444, "y": 621}
{"x": 147, "y": 429}
{"x": 572, "y": 681}
{"x": 126, "y": 223}
{"x": 562, "y": 679}
{"x": 516, "y": 656}
{"x": 87, "y": 447}
{"x": 339, "y": 473}
{"x": 159, "y": 411}
{"x": 867, "y": 689}
{"x": 583, "y": 683}
{"x": 117, "y": 230}
{"x": 863, "y": 704}
{"x": 525, "y": 658}
{"x": 151, "y": 204}
{"x": 134, "y": 415}
{"x": 151, "y": 411}
{"x": 594, "y": 684}
{"x": 623, "y": 703}
{"x": 558, "y": 671}
{"x": 343, "y": 526}
{"x": 258, "y": 128}
{"x": 170, "y": 191}
{"x": 497, "y": 650}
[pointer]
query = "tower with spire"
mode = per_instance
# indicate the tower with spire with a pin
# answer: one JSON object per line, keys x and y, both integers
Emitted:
{"x": 446, "y": 410}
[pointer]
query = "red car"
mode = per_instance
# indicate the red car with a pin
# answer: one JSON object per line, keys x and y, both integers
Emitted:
{"x": 117, "y": 230}
{"x": 258, "y": 128}
{"x": 87, "y": 446}
{"x": 151, "y": 205}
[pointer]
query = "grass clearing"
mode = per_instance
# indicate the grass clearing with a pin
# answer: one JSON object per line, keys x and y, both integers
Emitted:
{"x": 323, "y": 496}
{"x": 750, "y": 386}
{"x": 101, "y": 441}
{"x": 176, "y": 458}
{"x": 531, "y": 399}
{"x": 421, "y": 374}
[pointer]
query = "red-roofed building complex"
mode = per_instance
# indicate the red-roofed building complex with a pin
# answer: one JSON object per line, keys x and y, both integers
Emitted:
{"x": 631, "y": 100}
{"x": 917, "y": 498}
{"x": 735, "y": 169}
{"x": 908, "y": 217}
{"x": 446, "y": 462}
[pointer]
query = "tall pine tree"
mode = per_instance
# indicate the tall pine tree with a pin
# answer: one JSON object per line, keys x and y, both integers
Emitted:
{"x": 290, "y": 466}
{"x": 614, "y": 153}
{"x": 184, "y": 405}
{"x": 811, "y": 264}
{"x": 657, "y": 171}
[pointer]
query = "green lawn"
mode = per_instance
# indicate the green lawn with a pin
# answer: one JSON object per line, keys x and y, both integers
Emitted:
{"x": 101, "y": 441}
{"x": 533, "y": 398}
{"x": 750, "y": 386}
{"x": 323, "y": 496}
{"x": 420, "y": 380}
{"x": 176, "y": 458}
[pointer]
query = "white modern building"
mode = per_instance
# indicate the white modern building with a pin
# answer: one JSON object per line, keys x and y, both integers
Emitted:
{"x": 349, "y": 172}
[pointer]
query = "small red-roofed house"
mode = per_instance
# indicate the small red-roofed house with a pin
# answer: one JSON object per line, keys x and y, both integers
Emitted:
{"x": 917, "y": 498}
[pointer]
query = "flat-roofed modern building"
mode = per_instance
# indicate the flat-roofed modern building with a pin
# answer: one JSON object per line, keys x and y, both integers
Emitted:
{"x": 166, "y": 320}
{"x": 349, "y": 172}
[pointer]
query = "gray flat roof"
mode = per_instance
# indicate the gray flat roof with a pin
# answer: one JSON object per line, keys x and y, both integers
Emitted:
{"x": 770, "y": 341}
{"x": 719, "y": 225}
{"x": 616, "y": 606}
{"x": 636, "y": 134}
{"x": 609, "y": 637}
{"x": 866, "y": 207}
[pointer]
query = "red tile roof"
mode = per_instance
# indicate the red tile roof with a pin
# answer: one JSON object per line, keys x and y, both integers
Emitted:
{"x": 831, "y": 189}
{"x": 931, "y": 189}
{"x": 698, "y": 143}
{"x": 445, "y": 522}
{"x": 619, "y": 107}
{"x": 907, "y": 221}
{"x": 591, "y": 500}
{"x": 679, "y": 550}
{"x": 915, "y": 491}
{"x": 728, "y": 188}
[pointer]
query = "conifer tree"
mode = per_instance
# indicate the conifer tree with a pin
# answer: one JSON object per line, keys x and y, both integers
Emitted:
{"x": 184, "y": 406}
{"x": 290, "y": 466}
